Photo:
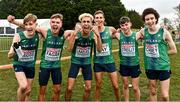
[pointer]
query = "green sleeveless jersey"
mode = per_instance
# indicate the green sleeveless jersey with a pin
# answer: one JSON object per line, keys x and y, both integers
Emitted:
{"x": 82, "y": 50}
{"x": 51, "y": 51}
{"x": 128, "y": 50}
{"x": 155, "y": 51}
{"x": 105, "y": 56}
{"x": 29, "y": 48}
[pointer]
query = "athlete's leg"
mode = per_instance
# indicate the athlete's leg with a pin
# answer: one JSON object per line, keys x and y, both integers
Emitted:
{"x": 165, "y": 89}
{"x": 56, "y": 76}
{"x": 87, "y": 90}
{"x": 56, "y": 92}
{"x": 42, "y": 92}
{"x": 153, "y": 90}
{"x": 98, "y": 78}
{"x": 44, "y": 75}
{"x": 125, "y": 88}
{"x": 135, "y": 83}
{"x": 22, "y": 81}
{"x": 28, "y": 89}
{"x": 70, "y": 85}
{"x": 114, "y": 80}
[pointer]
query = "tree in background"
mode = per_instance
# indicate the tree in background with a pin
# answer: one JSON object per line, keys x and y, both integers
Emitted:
{"x": 70, "y": 9}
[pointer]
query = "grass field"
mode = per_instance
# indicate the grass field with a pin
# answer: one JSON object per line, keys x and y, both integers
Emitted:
{"x": 9, "y": 84}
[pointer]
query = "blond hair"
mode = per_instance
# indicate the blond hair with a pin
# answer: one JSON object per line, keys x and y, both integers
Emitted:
{"x": 86, "y": 15}
{"x": 30, "y": 17}
{"x": 57, "y": 15}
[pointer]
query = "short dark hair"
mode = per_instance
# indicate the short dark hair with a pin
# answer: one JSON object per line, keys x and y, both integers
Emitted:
{"x": 124, "y": 19}
{"x": 99, "y": 12}
{"x": 150, "y": 11}
{"x": 57, "y": 15}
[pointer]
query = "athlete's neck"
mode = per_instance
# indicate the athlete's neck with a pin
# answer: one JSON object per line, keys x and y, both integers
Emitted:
{"x": 101, "y": 28}
{"x": 153, "y": 30}
{"x": 128, "y": 33}
{"x": 28, "y": 35}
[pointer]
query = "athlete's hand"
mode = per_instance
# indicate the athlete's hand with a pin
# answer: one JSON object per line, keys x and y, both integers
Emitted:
{"x": 95, "y": 30}
{"x": 10, "y": 18}
{"x": 78, "y": 28}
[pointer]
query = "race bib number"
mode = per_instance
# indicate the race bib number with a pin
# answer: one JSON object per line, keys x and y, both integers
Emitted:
{"x": 52, "y": 54}
{"x": 152, "y": 50}
{"x": 83, "y": 51}
{"x": 105, "y": 50}
{"x": 28, "y": 55}
{"x": 128, "y": 49}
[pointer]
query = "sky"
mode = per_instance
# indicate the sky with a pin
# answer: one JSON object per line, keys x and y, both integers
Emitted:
{"x": 163, "y": 7}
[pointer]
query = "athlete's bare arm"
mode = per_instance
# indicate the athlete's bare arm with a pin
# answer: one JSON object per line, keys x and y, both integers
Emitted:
{"x": 113, "y": 32}
{"x": 11, "y": 51}
{"x": 97, "y": 38}
{"x": 41, "y": 30}
{"x": 140, "y": 34}
{"x": 172, "y": 46}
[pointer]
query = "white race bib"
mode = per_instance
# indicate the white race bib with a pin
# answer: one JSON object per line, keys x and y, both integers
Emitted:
{"x": 152, "y": 50}
{"x": 28, "y": 55}
{"x": 83, "y": 51}
{"x": 52, "y": 54}
{"x": 105, "y": 50}
{"x": 128, "y": 49}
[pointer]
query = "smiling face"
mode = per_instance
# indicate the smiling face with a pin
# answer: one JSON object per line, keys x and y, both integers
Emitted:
{"x": 150, "y": 20}
{"x": 99, "y": 19}
{"x": 126, "y": 27}
{"x": 86, "y": 24}
{"x": 30, "y": 27}
{"x": 56, "y": 25}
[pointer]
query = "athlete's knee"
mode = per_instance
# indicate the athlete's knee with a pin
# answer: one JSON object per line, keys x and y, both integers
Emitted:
{"x": 153, "y": 92}
{"x": 23, "y": 87}
{"x": 135, "y": 88}
{"x": 28, "y": 91}
{"x": 116, "y": 87}
{"x": 88, "y": 88}
{"x": 98, "y": 84}
{"x": 165, "y": 98}
{"x": 69, "y": 89}
{"x": 125, "y": 85}
{"x": 57, "y": 90}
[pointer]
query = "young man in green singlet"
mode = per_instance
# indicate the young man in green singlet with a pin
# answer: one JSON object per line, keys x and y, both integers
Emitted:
{"x": 51, "y": 53}
{"x": 104, "y": 61}
{"x": 158, "y": 43}
{"x": 24, "y": 66}
{"x": 129, "y": 57}
{"x": 81, "y": 43}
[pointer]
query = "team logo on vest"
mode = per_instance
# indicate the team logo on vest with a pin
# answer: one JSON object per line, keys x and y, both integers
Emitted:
{"x": 28, "y": 55}
{"x": 128, "y": 49}
{"x": 52, "y": 54}
{"x": 83, "y": 51}
{"x": 105, "y": 50}
{"x": 152, "y": 50}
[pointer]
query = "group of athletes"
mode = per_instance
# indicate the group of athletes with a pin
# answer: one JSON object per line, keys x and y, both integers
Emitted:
{"x": 86, "y": 37}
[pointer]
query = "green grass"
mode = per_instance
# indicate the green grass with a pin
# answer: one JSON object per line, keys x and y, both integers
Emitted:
{"x": 9, "y": 84}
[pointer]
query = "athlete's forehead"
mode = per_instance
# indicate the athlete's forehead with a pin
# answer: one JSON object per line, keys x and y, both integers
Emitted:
{"x": 56, "y": 19}
{"x": 99, "y": 15}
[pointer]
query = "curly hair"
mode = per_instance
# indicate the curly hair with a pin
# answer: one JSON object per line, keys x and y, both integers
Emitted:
{"x": 150, "y": 11}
